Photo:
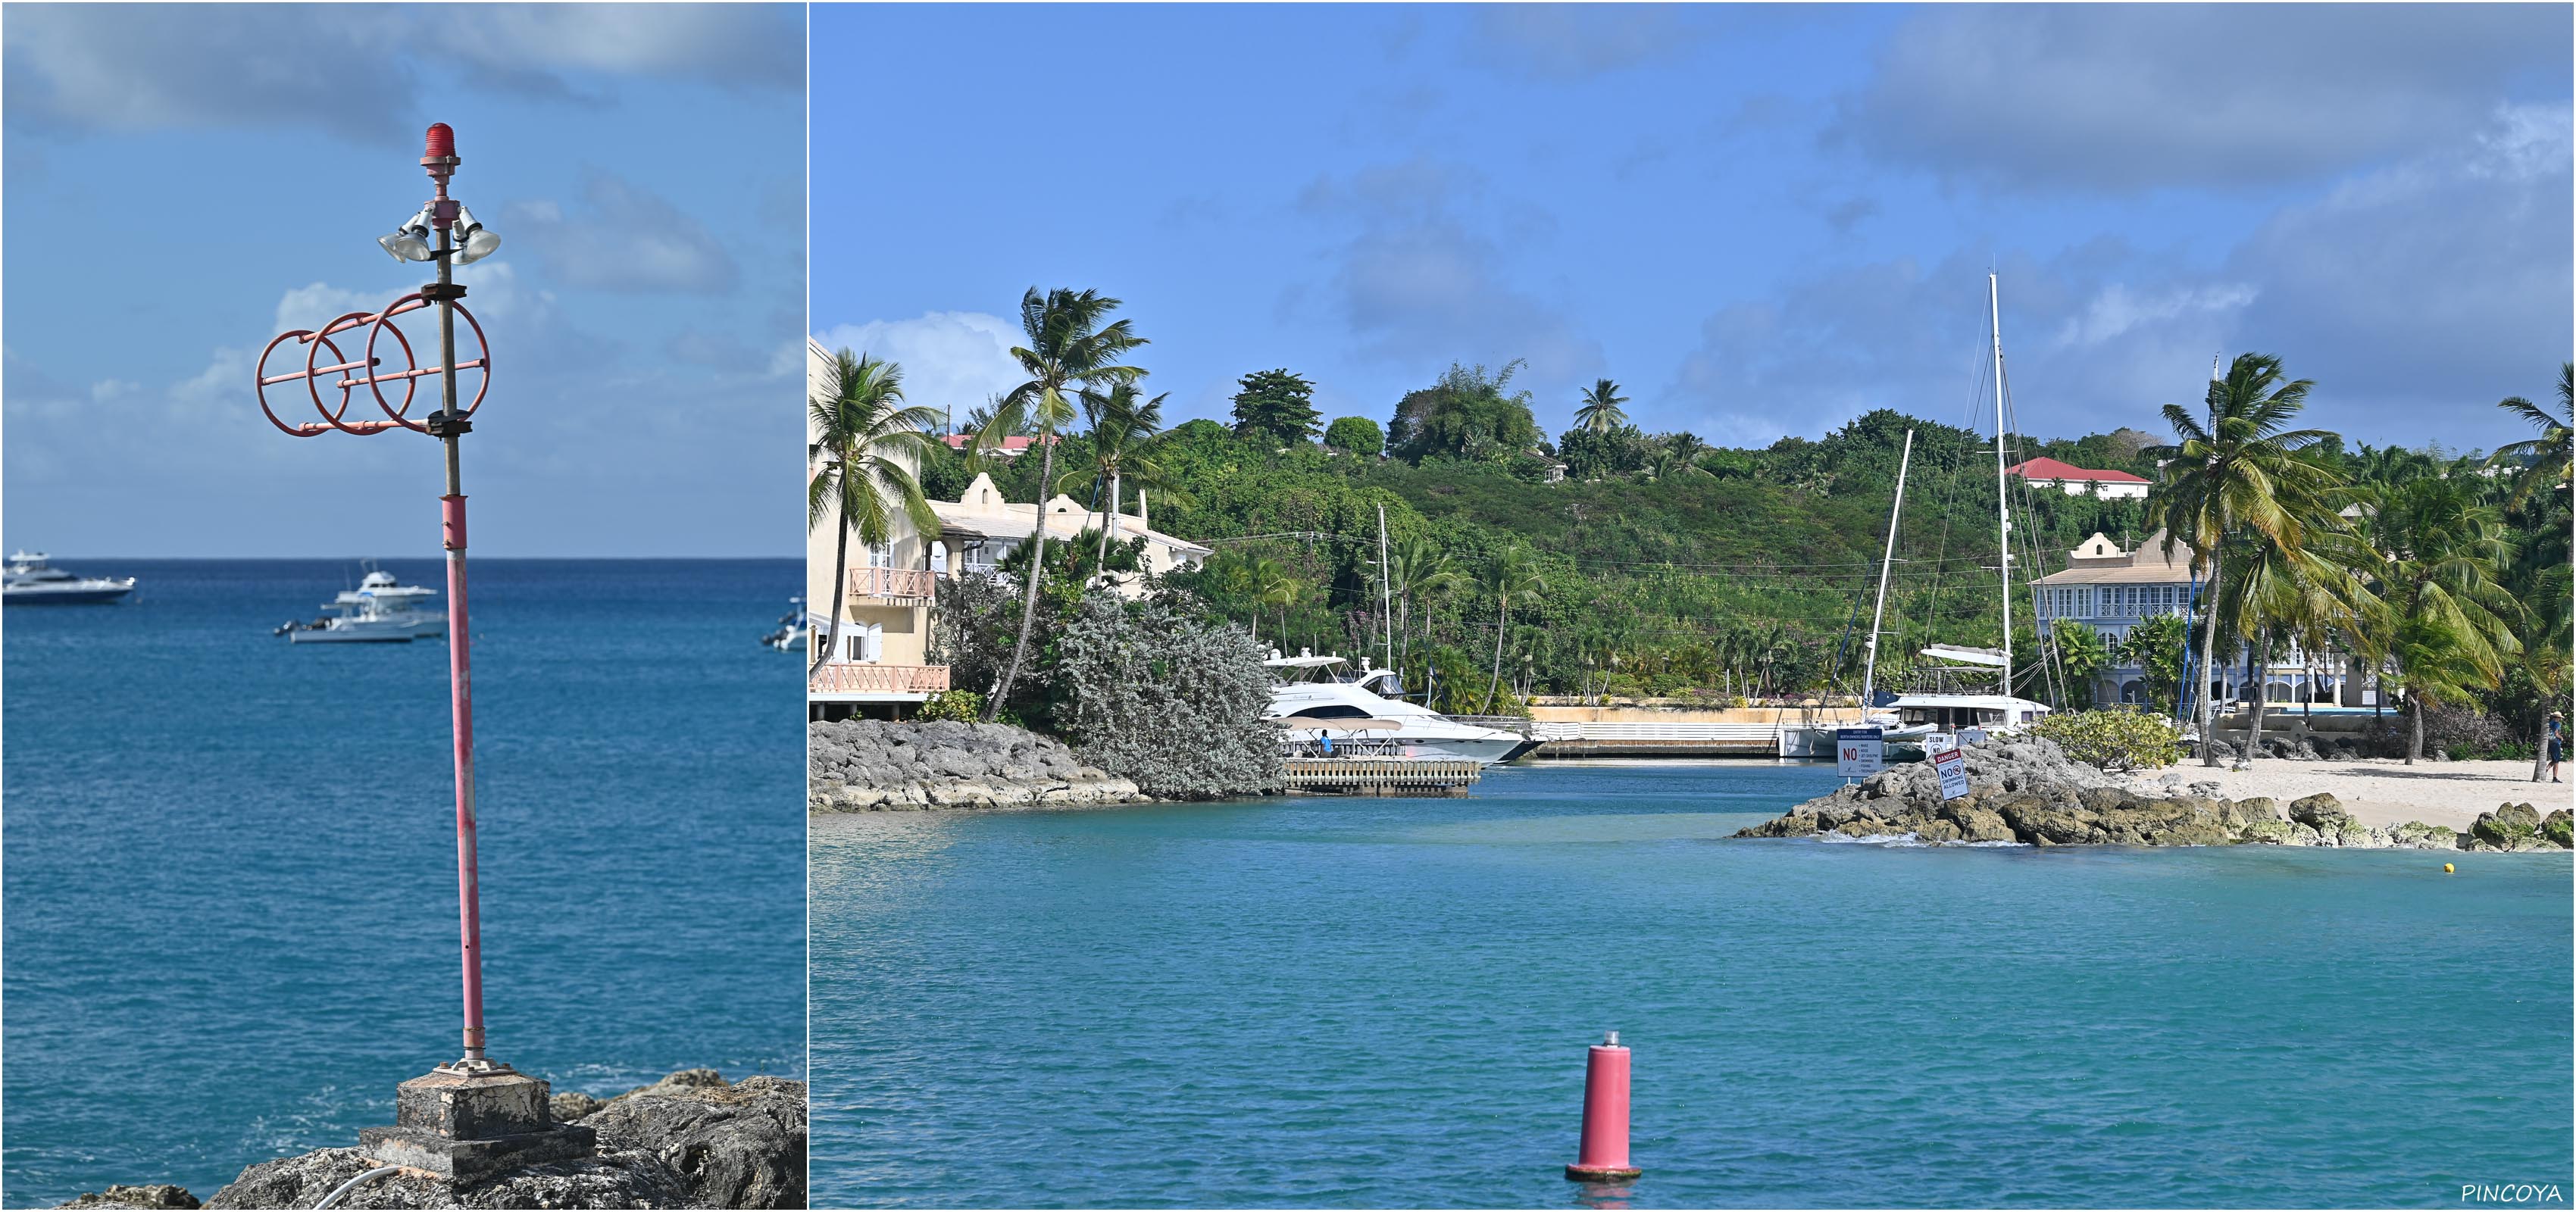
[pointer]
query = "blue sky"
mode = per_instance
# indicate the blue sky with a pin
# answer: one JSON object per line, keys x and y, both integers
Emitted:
{"x": 1759, "y": 220}
{"x": 184, "y": 182}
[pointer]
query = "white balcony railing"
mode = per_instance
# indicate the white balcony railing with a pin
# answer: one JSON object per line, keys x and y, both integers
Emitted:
{"x": 878, "y": 679}
{"x": 903, "y": 584}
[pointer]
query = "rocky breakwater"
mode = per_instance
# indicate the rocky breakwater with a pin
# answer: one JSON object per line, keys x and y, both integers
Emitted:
{"x": 690, "y": 1140}
{"x": 880, "y": 766}
{"x": 2026, "y": 790}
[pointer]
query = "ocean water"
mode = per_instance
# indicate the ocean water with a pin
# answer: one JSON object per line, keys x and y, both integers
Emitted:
{"x": 1321, "y": 1002}
{"x": 230, "y": 863}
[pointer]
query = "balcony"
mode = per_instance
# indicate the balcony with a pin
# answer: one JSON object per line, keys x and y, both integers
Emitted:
{"x": 877, "y": 680}
{"x": 894, "y": 584}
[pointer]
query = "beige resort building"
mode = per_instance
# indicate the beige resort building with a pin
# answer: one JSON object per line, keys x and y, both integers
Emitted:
{"x": 2112, "y": 591}
{"x": 879, "y": 655}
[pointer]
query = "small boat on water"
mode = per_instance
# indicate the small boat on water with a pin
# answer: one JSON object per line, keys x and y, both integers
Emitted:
{"x": 1313, "y": 699}
{"x": 32, "y": 581}
{"x": 381, "y": 610}
{"x": 789, "y": 633}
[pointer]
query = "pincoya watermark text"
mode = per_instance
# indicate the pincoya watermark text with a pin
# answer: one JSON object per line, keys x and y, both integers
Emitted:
{"x": 2512, "y": 1193}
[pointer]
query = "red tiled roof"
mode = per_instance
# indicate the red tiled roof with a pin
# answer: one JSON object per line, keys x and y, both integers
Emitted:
{"x": 1010, "y": 445}
{"x": 2044, "y": 468}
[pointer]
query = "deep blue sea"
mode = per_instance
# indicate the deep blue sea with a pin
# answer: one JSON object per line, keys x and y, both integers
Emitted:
{"x": 1323, "y": 1002}
{"x": 230, "y": 863}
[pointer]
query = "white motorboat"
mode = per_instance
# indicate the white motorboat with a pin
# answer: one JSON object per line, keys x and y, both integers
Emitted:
{"x": 1314, "y": 697}
{"x": 381, "y": 610}
{"x": 33, "y": 582}
{"x": 788, "y": 635}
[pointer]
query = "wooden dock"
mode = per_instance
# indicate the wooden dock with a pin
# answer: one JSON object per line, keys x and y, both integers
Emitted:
{"x": 1383, "y": 775}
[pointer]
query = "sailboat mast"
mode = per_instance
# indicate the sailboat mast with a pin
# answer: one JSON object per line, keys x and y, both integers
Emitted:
{"x": 2003, "y": 510}
{"x": 1869, "y": 664}
{"x": 1385, "y": 588}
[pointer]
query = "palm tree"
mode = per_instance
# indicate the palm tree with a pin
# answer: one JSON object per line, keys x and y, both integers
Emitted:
{"x": 1273, "y": 585}
{"x": 867, "y": 444}
{"x": 2450, "y": 622}
{"x": 2081, "y": 653}
{"x": 2302, "y": 597}
{"x": 1514, "y": 572}
{"x": 1068, "y": 345}
{"x": 1600, "y": 411}
{"x": 2547, "y": 653}
{"x": 2552, "y": 455}
{"x": 1126, "y": 435}
{"x": 1416, "y": 568}
{"x": 2241, "y": 471}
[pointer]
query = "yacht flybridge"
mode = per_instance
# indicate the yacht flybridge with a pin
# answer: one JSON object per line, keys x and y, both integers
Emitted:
{"x": 1316, "y": 697}
{"x": 33, "y": 582}
{"x": 381, "y": 610}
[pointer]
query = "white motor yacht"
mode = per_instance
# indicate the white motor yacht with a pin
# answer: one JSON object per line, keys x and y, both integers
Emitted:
{"x": 381, "y": 610}
{"x": 33, "y": 582}
{"x": 1314, "y": 696}
{"x": 788, "y": 635}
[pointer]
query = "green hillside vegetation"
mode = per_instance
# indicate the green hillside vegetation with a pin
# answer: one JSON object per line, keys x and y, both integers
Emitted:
{"x": 1655, "y": 564}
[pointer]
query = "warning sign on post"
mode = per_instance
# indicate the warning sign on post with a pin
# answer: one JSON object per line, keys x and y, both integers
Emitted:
{"x": 1857, "y": 752}
{"x": 1952, "y": 766}
{"x": 1938, "y": 741}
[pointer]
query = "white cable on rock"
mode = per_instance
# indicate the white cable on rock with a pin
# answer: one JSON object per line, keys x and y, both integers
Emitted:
{"x": 333, "y": 1199}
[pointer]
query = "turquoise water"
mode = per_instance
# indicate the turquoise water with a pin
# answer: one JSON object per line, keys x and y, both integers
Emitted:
{"x": 1386, "y": 1003}
{"x": 230, "y": 898}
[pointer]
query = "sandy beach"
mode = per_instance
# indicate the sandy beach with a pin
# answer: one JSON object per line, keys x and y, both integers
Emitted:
{"x": 2384, "y": 791}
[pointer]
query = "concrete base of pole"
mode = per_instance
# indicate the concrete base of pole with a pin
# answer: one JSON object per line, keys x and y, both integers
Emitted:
{"x": 462, "y": 1128}
{"x": 1601, "y": 1174}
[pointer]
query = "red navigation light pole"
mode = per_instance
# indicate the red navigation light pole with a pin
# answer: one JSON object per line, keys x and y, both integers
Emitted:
{"x": 460, "y": 240}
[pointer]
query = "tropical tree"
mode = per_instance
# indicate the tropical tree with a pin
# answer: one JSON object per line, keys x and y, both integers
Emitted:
{"x": 1126, "y": 441}
{"x": 2281, "y": 597}
{"x": 2239, "y": 469}
{"x": 2552, "y": 455}
{"x": 1600, "y": 412}
{"x": 2548, "y": 651}
{"x": 1417, "y": 568}
{"x": 1513, "y": 573}
{"x": 1467, "y": 414}
{"x": 867, "y": 444}
{"x": 1275, "y": 405}
{"x": 2450, "y": 622}
{"x": 2156, "y": 647}
{"x": 2081, "y": 653}
{"x": 1274, "y": 585}
{"x": 1068, "y": 346}
{"x": 1358, "y": 435}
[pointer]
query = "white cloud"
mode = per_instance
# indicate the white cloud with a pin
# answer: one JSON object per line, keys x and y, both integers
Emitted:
{"x": 952, "y": 360}
{"x": 2115, "y": 309}
{"x": 623, "y": 238}
{"x": 2123, "y": 97}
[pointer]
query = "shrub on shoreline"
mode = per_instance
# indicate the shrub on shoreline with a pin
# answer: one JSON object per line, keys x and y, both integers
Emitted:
{"x": 2113, "y": 739}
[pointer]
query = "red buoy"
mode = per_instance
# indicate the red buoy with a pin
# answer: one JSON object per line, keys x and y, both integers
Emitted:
{"x": 1604, "y": 1157}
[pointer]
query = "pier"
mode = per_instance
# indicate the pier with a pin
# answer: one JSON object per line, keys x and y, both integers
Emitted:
{"x": 1383, "y": 775}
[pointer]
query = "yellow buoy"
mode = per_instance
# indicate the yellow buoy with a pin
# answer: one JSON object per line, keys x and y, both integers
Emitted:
{"x": 2446, "y": 868}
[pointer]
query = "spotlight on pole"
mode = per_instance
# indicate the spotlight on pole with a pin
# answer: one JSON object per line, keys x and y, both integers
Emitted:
{"x": 475, "y": 240}
{"x": 410, "y": 242}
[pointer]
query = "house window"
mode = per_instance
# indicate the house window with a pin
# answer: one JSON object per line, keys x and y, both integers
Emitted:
{"x": 865, "y": 641}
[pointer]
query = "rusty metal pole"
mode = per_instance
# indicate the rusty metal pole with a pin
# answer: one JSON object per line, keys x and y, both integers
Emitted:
{"x": 448, "y": 425}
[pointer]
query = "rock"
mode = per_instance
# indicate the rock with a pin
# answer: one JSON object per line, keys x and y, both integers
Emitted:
{"x": 148, "y": 1195}
{"x": 2174, "y": 780}
{"x": 1937, "y": 830}
{"x": 2416, "y": 835}
{"x": 569, "y": 1108}
{"x": 733, "y": 1146}
{"x": 1978, "y": 824}
{"x": 886, "y": 766}
{"x": 2509, "y": 827}
{"x": 2318, "y": 811}
{"x": 2559, "y": 827}
{"x": 621, "y": 1179}
{"x": 2259, "y": 807}
{"x": 2268, "y": 831}
{"x": 2224, "y": 751}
